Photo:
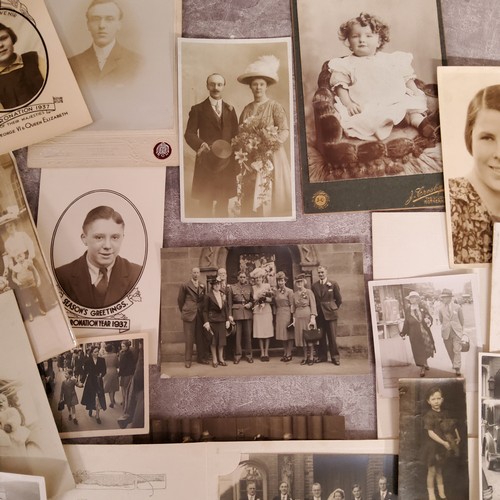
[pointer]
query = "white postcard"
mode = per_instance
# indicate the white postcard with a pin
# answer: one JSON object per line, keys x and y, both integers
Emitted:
{"x": 29, "y": 443}
{"x": 123, "y": 55}
{"x": 25, "y": 271}
{"x": 236, "y": 116}
{"x": 22, "y": 486}
{"x": 39, "y": 96}
{"x": 103, "y": 235}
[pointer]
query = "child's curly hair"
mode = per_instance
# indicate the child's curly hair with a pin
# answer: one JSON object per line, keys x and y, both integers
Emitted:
{"x": 364, "y": 19}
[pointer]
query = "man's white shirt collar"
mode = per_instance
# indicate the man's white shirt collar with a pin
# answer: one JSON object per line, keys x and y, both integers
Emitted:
{"x": 102, "y": 53}
{"x": 95, "y": 274}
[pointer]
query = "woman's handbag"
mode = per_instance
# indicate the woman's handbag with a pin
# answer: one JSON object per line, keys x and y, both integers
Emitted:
{"x": 312, "y": 334}
{"x": 60, "y": 405}
{"x": 465, "y": 343}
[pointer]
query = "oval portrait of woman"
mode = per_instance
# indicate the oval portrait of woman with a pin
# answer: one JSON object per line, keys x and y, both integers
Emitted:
{"x": 99, "y": 249}
{"x": 23, "y": 61}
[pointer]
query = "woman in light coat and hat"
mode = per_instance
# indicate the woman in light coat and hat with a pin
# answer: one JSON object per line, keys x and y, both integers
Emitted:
{"x": 417, "y": 325}
{"x": 266, "y": 186}
{"x": 283, "y": 301}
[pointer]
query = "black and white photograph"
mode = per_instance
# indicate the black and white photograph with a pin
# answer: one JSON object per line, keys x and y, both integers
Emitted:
{"x": 100, "y": 388}
{"x": 102, "y": 236}
{"x": 29, "y": 442}
{"x": 264, "y": 310}
{"x": 39, "y": 96}
{"x": 489, "y": 418}
{"x": 362, "y": 473}
{"x": 433, "y": 450}
{"x": 24, "y": 269}
{"x": 425, "y": 327}
{"x": 494, "y": 331}
{"x": 123, "y": 57}
{"x": 23, "y": 61}
{"x": 14, "y": 486}
{"x": 236, "y": 117}
{"x": 368, "y": 104}
{"x": 470, "y": 105}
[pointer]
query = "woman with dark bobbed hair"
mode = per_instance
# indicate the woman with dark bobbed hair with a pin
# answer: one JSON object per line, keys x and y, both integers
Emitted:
{"x": 21, "y": 75}
{"x": 475, "y": 198}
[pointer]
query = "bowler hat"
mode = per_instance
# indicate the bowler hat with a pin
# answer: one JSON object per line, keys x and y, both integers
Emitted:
{"x": 446, "y": 293}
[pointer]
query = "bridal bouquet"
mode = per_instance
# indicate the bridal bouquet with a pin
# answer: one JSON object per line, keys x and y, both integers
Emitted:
{"x": 254, "y": 147}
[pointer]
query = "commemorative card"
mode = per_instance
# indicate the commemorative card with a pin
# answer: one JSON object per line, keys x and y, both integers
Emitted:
{"x": 101, "y": 387}
{"x": 102, "y": 236}
{"x": 29, "y": 443}
{"x": 296, "y": 309}
{"x": 368, "y": 110}
{"x": 433, "y": 447}
{"x": 124, "y": 58}
{"x": 236, "y": 116}
{"x": 24, "y": 269}
{"x": 425, "y": 327}
{"x": 470, "y": 112}
{"x": 39, "y": 97}
{"x": 22, "y": 486}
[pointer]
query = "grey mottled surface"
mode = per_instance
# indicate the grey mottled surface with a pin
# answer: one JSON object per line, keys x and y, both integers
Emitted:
{"x": 472, "y": 36}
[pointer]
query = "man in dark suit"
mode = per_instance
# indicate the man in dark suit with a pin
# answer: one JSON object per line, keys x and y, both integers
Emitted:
{"x": 316, "y": 492}
{"x": 100, "y": 277}
{"x": 382, "y": 492}
{"x": 190, "y": 302}
{"x": 283, "y": 492}
{"x": 105, "y": 62}
{"x": 328, "y": 300}
{"x": 214, "y": 178}
{"x": 356, "y": 492}
{"x": 251, "y": 492}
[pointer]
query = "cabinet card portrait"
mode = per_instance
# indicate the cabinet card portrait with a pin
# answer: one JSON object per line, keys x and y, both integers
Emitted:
{"x": 262, "y": 310}
{"x": 24, "y": 270}
{"x": 101, "y": 387}
{"x": 433, "y": 447}
{"x": 425, "y": 327}
{"x": 39, "y": 97}
{"x": 237, "y": 141}
{"x": 470, "y": 115}
{"x": 29, "y": 443}
{"x": 368, "y": 114}
{"x": 102, "y": 235}
{"x": 123, "y": 56}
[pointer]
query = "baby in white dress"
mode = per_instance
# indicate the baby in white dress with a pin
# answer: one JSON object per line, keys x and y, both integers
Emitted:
{"x": 374, "y": 90}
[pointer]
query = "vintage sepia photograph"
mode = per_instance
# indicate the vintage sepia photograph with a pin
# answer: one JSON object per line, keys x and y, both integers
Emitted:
{"x": 123, "y": 57}
{"x": 263, "y": 310}
{"x": 24, "y": 270}
{"x": 470, "y": 112}
{"x": 494, "y": 331}
{"x": 100, "y": 388}
{"x": 29, "y": 443}
{"x": 330, "y": 476}
{"x": 425, "y": 327}
{"x": 22, "y": 486}
{"x": 368, "y": 105}
{"x": 236, "y": 117}
{"x": 433, "y": 451}
{"x": 39, "y": 96}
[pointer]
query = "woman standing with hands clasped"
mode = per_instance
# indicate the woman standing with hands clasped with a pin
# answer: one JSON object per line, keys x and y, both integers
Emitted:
{"x": 283, "y": 300}
{"x": 262, "y": 312}
{"x": 304, "y": 317}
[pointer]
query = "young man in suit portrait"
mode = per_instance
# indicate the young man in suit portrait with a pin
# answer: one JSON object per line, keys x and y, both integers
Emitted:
{"x": 251, "y": 493}
{"x": 328, "y": 301}
{"x": 316, "y": 492}
{"x": 106, "y": 62}
{"x": 211, "y": 125}
{"x": 284, "y": 495}
{"x": 100, "y": 277}
{"x": 383, "y": 493}
{"x": 190, "y": 301}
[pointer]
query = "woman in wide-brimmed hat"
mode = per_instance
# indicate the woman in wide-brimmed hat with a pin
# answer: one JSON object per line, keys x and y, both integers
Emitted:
{"x": 266, "y": 185}
{"x": 283, "y": 300}
{"x": 417, "y": 325}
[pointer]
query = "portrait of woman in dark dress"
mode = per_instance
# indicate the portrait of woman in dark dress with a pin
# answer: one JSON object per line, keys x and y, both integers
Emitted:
{"x": 93, "y": 396}
{"x": 21, "y": 75}
{"x": 417, "y": 325}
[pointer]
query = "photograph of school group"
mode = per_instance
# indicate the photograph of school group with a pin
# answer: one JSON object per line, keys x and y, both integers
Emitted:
{"x": 311, "y": 476}
{"x": 98, "y": 388}
{"x": 264, "y": 310}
